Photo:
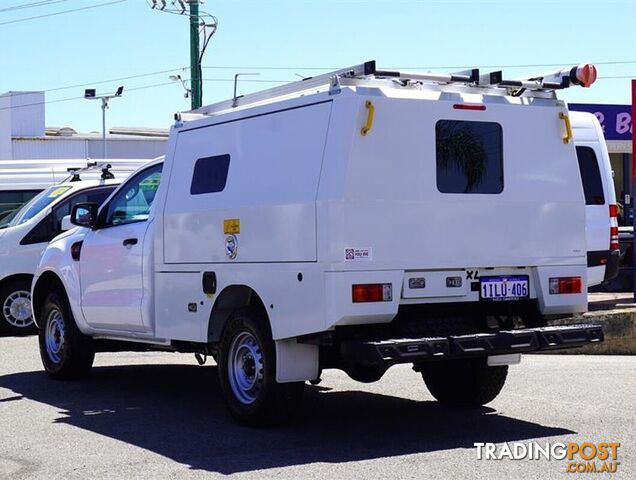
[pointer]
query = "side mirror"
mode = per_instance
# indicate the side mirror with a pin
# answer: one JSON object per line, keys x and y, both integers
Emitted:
{"x": 84, "y": 214}
{"x": 66, "y": 223}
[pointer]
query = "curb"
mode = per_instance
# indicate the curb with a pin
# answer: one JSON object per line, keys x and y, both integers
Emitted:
{"x": 619, "y": 326}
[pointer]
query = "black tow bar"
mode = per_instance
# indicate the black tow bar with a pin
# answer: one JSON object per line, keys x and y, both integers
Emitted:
{"x": 409, "y": 350}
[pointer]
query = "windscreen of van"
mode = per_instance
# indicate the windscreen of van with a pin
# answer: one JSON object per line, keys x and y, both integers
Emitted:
{"x": 591, "y": 176}
{"x": 35, "y": 206}
{"x": 12, "y": 200}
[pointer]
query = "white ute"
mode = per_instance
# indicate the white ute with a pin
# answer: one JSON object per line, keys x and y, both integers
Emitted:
{"x": 354, "y": 220}
{"x": 25, "y": 232}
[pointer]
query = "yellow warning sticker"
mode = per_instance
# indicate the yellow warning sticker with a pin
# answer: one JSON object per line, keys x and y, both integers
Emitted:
{"x": 58, "y": 191}
{"x": 231, "y": 226}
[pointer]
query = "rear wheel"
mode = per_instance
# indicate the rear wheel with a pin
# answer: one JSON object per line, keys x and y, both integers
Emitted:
{"x": 65, "y": 351}
{"x": 247, "y": 373}
{"x": 464, "y": 383}
{"x": 15, "y": 300}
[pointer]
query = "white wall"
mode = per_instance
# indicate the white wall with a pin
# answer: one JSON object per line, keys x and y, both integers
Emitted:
{"x": 21, "y": 114}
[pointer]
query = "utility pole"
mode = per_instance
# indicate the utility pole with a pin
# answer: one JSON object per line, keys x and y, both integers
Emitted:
{"x": 202, "y": 26}
{"x": 195, "y": 63}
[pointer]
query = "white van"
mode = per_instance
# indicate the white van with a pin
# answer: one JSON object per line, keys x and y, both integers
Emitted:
{"x": 603, "y": 252}
{"x": 25, "y": 232}
{"x": 354, "y": 220}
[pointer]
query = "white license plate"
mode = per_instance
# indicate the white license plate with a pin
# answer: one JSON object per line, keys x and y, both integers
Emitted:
{"x": 513, "y": 287}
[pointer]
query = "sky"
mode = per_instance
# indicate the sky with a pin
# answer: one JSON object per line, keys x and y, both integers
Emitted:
{"x": 281, "y": 39}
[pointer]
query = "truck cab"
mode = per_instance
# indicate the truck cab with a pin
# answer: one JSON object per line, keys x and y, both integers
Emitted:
{"x": 25, "y": 232}
{"x": 355, "y": 220}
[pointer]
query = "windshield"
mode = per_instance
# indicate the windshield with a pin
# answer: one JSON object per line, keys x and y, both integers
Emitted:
{"x": 35, "y": 206}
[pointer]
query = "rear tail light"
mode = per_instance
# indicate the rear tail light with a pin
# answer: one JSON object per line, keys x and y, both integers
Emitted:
{"x": 371, "y": 292}
{"x": 562, "y": 285}
{"x": 613, "y": 211}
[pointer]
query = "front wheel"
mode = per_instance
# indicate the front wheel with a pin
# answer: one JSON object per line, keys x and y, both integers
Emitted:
{"x": 65, "y": 351}
{"x": 15, "y": 300}
{"x": 247, "y": 373}
{"x": 464, "y": 383}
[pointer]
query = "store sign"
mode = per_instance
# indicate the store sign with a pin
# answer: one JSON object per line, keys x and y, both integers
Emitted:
{"x": 616, "y": 120}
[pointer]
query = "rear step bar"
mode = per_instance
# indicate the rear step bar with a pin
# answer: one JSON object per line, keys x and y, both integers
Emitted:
{"x": 408, "y": 350}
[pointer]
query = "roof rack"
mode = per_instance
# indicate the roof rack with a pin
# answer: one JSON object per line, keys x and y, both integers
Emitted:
{"x": 583, "y": 75}
{"x": 90, "y": 166}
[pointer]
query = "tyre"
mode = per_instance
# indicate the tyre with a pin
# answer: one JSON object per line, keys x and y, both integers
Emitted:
{"x": 15, "y": 300}
{"x": 464, "y": 383}
{"x": 247, "y": 373}
{"x": 65, "y": 351}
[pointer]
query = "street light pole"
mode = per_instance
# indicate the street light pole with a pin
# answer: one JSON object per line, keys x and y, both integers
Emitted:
{"x": 104, "y": 107}
{"x": 89, "y": 94}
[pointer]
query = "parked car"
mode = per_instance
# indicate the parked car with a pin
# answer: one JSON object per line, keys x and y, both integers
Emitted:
{"x": 21, "y": 180}
{"x": 25, "y": 232}
{"x": 601, "y": 209}
{"x": 355, "y": 220}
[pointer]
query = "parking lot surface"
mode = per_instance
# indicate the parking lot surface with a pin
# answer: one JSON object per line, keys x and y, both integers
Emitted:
{"x": 159, "y": 415}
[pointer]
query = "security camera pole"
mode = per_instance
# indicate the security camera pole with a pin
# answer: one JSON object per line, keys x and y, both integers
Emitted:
{"x": 89, "y": 94}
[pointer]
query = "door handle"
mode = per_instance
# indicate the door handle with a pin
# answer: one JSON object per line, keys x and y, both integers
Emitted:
{"x": 129, "y": 242}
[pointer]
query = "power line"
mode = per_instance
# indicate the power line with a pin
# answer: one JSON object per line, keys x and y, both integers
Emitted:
{"x": 26, "y": 19}
{"x": 101, "y": 82}
{"x": 230, "y": 67}
{"x": 43, "y": 3}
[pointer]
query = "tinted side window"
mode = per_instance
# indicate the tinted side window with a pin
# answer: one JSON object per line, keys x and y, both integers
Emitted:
{"x": 591, "y": 176}
{"x": 469, "y": 157}
{"x": 210, "y": 174}
{"x": 51, "y": 225}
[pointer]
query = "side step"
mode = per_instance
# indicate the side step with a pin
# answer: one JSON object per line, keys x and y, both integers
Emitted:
{"x": 409, "y": 350}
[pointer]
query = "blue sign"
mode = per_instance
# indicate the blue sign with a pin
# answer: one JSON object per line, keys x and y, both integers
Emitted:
{"x": 616, "y": 120}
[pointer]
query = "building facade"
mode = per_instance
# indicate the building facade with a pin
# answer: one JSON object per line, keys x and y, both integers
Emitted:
{"x": 24, "y": 135}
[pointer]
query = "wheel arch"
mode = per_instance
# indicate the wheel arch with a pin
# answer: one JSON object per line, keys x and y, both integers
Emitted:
{"x": 295, "y": 362}
{"x": 15, "y": 276}
{"x": 229, "y": 299}
{"x": 45, "y": 284}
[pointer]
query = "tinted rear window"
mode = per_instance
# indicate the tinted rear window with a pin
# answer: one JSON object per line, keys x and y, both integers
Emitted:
{"x": 469, "y": 157}
{"x": 210, "y": 174}
{"x": 591, "y": 176}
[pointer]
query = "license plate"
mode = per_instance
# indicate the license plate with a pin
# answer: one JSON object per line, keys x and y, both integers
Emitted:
{"x": 513, "y": 287}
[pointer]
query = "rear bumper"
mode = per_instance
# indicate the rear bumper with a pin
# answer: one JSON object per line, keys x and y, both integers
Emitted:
{"x": 605, "y": 258}
{"x": 413, "y": 350}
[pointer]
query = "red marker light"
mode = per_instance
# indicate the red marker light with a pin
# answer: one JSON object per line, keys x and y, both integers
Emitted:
{"x": 371, "y": 292}
{"x": 563, "y": 285}
{"x": 469, "y": 106}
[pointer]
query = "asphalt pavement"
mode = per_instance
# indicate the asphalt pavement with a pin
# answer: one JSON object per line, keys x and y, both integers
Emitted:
{"x": 159, "y": 415}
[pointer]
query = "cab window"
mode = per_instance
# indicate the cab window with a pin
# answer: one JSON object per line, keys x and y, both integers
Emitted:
{"x": 133, "y": 201}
